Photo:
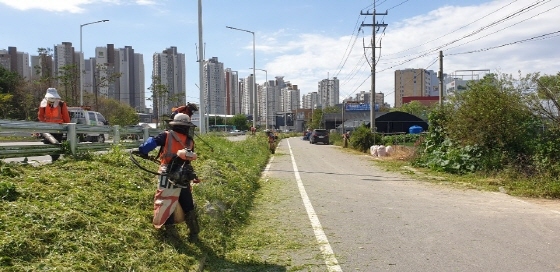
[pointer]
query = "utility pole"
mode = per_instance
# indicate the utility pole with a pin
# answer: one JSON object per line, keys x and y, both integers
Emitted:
{"x": 440, "y": 78}
{"x": 375, "y": 27}
{"x": 202, "y": 106}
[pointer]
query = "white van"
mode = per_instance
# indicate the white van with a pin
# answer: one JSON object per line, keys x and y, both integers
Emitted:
{"x": 92, "y": 118}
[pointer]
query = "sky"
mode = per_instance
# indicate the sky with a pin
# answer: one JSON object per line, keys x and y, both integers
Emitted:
{"x": 304, "y": 41}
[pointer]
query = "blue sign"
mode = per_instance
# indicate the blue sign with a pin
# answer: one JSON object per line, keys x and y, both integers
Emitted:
{"x": 360, "y": 107}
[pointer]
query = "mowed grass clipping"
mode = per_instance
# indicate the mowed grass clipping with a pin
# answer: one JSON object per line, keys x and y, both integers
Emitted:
{"x": 94, "y": 214}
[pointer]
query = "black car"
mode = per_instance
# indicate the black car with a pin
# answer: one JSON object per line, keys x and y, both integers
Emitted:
{"x": 319, "y": 135}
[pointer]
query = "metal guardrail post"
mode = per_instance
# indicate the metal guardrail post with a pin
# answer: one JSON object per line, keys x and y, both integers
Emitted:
{"x": 71, "y": 137}
{"x": 116, "y": 134}
{"x": 146, "y": 133}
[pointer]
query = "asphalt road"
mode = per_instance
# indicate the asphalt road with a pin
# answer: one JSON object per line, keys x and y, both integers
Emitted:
{"x": 33, "y": 160}
{"x": 367, "y": 219}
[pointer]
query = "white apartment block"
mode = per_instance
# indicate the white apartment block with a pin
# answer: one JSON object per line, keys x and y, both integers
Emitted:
{"x": 290, "y": 98}
{"x": 247, "y": 96}
{"x": 310, "y": 100}
{"x": 328, "y": 91}
{"x": 117, "y": 74}
{"x": 215, "y": 94}
{"x": 233, "y": 95}
{"x": 63, "y": 57}
{"x": 169, "y": 70}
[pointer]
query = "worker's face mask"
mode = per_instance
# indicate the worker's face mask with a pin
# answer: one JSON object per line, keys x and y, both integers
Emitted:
{"x": 52, "y": 101}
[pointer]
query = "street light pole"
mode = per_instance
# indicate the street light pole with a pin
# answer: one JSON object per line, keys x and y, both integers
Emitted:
{"x": 266, "y": 96}
{"x": 254, "y": 77}
{"x": 82, "y": 52}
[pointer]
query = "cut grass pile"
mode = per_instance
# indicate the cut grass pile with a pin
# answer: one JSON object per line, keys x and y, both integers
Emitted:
{"x": 94, "y": 213}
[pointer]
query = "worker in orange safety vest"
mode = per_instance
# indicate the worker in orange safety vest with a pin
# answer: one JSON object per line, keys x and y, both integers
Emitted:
{"x": 53, "y": 110}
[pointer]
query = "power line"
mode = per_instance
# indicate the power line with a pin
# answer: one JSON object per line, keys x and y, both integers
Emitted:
{"x": 540, "y": 37}
{"x": 343, "y": 60}
{"x": 402, "y": 51}
{"x": 504, "y": 28}
{"x": 427, "y": 52}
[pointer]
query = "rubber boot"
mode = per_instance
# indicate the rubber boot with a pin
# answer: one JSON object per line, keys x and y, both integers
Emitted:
{"x": 192, "y": 223}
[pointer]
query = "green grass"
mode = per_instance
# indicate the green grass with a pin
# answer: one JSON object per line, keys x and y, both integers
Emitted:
{"x": 95, "y": 214}
{"x": 504, "y": 181}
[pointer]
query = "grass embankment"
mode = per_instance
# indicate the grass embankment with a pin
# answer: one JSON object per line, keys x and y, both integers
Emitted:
{"x": 93, "y": 213}
{"x": 506, "y": 180}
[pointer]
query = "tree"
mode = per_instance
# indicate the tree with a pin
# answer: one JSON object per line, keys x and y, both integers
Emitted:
{"x": 492, "y": 114}
{"x": 103, "y": 77}
{"x": 332, "y": 109}
{"x": 117, "y": 112}
{"x": 544, "y": 99}
{"x": 159, "y": 95}
{"x": 316, "y": 119}
{"x": 240, "y": 122}
{"x": 415, "y": 108}
{"x": 69, "y": 78}
{"x": 9, "y": 81}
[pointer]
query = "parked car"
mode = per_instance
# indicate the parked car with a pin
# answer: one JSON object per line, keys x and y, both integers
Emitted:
{"x": 319, "y": 135}
{"x": 91, "y": 118}
{"x": 237, "y": 132}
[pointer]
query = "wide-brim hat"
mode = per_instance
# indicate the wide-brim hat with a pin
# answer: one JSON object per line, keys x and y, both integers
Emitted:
{"x": 52, "y": 93}
{"x": 181, "y": 119}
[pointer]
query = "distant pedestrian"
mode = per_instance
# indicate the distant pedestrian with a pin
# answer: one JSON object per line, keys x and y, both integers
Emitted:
{"x": 53, "y": 110}
{"x": 345, "y": 139}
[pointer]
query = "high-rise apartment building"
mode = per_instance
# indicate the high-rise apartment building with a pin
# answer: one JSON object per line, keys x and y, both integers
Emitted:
{"x": 214, "y": 90}
{"x": 268, "y": 95}
{"x": 17, "y": 62}
{"x": 168, "y": 71}
{"x": 328, "y": 91}
{"x": 67, "y": 67}
{"x": 310, "y": 100}
{"x": 413, "y": 82}
{"x": 290, "y": 98}
{"x": 42, "y": 66}
{"x": 5, "y": 60}
{"x": 247, "y": 96}
{"x": 233, "y": 95}
{"x": 117, "y": 74}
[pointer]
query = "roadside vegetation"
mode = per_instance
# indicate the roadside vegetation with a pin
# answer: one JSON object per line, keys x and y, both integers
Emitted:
{"x": 499, "y": 134}
{"x": 93, "y": 212}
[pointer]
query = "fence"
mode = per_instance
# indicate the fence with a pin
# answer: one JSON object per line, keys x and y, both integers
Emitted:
{"x": 11, "y": 127}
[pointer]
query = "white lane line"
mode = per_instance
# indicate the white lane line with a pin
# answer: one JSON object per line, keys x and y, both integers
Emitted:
{"x": 267, "y": 168}
{"x": 326, "y": 250}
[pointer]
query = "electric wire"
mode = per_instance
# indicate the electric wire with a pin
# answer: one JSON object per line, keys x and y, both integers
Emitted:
{"x": 342, "y": 62}
{"x": 432, "y": 40}
{"x": 536, "y": 38}
{"x": 440, "y": 47}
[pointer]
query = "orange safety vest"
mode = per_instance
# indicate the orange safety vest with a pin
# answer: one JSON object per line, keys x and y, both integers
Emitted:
{"x": 173, "y": 143}
{"x": 53, "y": 115}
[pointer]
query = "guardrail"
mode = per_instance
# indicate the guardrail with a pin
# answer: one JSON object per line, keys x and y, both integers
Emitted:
{"x": 11, "y": 127}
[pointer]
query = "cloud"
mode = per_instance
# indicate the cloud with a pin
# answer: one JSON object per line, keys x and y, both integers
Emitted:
{"x": 71, "y": 6}
{"x": 464, "y": 34}
{"x": 146, "y": 2}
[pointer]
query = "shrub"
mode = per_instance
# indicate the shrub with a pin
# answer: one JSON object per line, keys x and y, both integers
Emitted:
{"x": 362, "y": 139}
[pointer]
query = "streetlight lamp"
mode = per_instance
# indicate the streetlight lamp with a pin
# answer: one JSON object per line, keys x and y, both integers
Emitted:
{"x": 266, "y": 96}
{"x": 254, "y": 77}
{"x": 81, "y": 77}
